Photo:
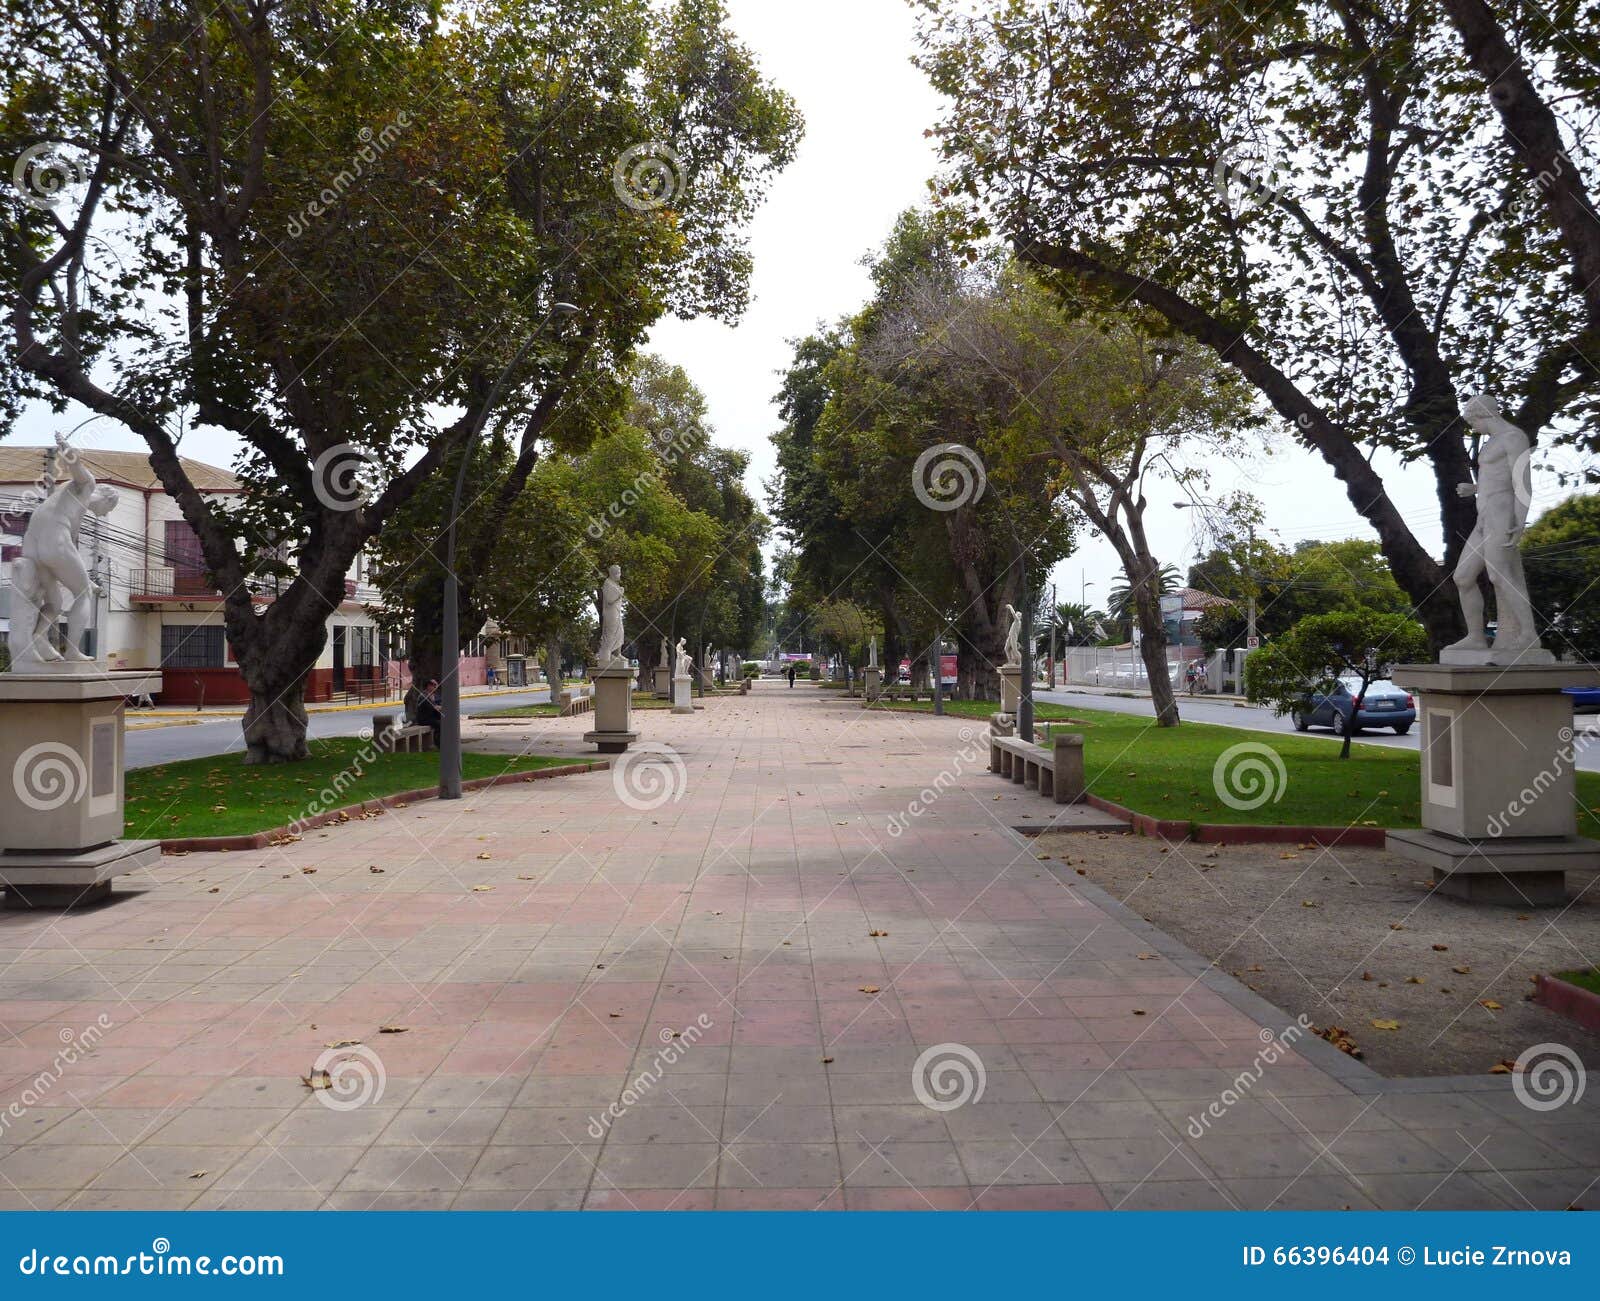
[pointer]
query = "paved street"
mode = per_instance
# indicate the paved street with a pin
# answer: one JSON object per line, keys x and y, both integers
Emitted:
{"x": 152, "y": 745}
{"x": 1255, "y": 718}
{"x": 805, "y": 959}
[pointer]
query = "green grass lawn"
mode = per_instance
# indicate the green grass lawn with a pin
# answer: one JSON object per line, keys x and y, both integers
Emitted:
{"x": 641, "y": 700}
{"x": 220, "y": 796}
{"x": 1167, "y": 772}
{"x": 1589, "y": 980}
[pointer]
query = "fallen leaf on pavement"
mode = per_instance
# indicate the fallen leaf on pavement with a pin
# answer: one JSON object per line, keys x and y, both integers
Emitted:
{"x": 317, "y": 1080}
{"x": 1385, "y": 1025}
{"x": 394, "y": 1029}
{"x": 1490, "y": 1004}
{"x": 868, "y": 989}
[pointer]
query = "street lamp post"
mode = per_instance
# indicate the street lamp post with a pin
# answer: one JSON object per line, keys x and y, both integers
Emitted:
{"x": 450, "y": 669}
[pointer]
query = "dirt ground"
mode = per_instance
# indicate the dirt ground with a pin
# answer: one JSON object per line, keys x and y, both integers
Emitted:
{"x": 1353, "y": 936}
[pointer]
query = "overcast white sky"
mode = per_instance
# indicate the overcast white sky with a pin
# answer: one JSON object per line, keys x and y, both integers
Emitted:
{"x": 864, "y": 159}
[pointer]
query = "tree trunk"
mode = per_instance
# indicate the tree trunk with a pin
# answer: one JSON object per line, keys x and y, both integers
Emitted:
{"x": 275, "y": 723}
{"x": 552, "y": 665}
{"x": 1153, "y": 648}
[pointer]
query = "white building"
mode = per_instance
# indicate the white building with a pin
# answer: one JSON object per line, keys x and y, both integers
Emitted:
{"x": 160, "y": 609}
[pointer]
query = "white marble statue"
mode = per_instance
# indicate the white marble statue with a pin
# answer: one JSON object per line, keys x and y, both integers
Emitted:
{"x": 684, "y": 669}
{"x": 612, "y": 603}
{"x": 666, "y": 653}
{"x": 872, "y": 654}
{"x": 50, "y": 575}
{"x": 1014, "y": 638}
{"x": 1504, "y": 490}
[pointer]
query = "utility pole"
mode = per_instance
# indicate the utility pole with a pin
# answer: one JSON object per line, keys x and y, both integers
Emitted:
{"x": 1025, "y": 704}
{"x": 1055, "y": 621}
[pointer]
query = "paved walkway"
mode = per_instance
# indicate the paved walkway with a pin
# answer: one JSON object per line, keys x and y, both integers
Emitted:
{"x": 783, "y": 987}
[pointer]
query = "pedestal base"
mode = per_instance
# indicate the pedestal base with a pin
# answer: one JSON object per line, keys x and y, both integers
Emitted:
{"x": 62, "y": 879}
{"x": 1517, "y": 872}
{"x": 1010, "y": 688}
{"x": 872, "y": 683}
{"x": 613, "y": 710}
{"x": 663, "y": 682}
{"x": 681, "y": 704}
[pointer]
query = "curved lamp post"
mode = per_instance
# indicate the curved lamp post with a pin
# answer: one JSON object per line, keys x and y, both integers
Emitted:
{"x": 450, "y": 668}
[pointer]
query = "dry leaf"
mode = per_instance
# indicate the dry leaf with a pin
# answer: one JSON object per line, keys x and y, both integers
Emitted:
{"x": 308, "y": 871}
{"x": 394, "y": 1029}
{"x": 1462, "y": 971}
{"x": 1396, "y": 926}
{"x": 877, "y": 935}
{"x": 1367, "y": 975}
{"x": 1138, "y": 1011}
{"x": 481, "y": 889}
{"x": 827, "y": 1061}
{"x": 483, "y": 856}
{"x": 317, "y": 1080}
{"x": 1145, "y": 957}
{"x": 868, "y": 989}
{"x": 1441, "y": 948}
{"x": 1309, "y": 903}
{"x": 342, "y": 1043}
{"x": 375, "y": 870}
{"x": 1490, "y": 1004}
{"x": 199, "y": 1174}
{"x": 1413, "y": 980}
{"x": 1385, "y": 1025}
{"x": 1505, "y": 1066}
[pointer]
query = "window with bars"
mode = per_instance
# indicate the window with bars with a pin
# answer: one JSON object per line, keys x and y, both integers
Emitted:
{"x": 361, "y": 643}
{"x": 190, "y": 646}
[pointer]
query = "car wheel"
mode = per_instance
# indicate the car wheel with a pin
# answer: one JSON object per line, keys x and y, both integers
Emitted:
{"x": 1340, "y": 723}
{"x": 1400, "y": 729}
{"x": 1299, "y": 721}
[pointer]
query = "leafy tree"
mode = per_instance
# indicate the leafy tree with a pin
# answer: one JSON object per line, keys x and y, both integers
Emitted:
{"x": 1561, "y": 554}
{"x": 336, "y": 231}
{"x": 1320, "y": 649}
{"x": 1365, "y": 210}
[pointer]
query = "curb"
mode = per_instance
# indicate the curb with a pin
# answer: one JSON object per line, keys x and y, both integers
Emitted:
{"x": 1571, "y": 1001}
{"x": 262, "y": 839}
{"x": 1241, "y": 833}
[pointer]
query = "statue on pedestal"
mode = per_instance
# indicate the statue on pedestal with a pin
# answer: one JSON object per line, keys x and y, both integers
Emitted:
{"x": 685, "y": 666}
{"x": 50, "y": 566}
{"x": 612, "y": 603}
{"x": 666, "y": 653}
{"x": 1504, "y": 491}
{"x": 1014, "y": 638}
{"x": 872, "y": 654}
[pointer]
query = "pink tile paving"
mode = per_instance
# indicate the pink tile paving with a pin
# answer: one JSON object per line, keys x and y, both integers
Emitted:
{"x": 677, "y": 1007}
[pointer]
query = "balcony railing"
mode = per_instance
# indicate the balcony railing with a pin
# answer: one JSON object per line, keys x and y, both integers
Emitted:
{"x": 169, "y": 583}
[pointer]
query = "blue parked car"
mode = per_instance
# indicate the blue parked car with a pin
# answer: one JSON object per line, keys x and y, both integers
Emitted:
{"x": 1585, "y": 700}
{"x": 1385, "y": 705}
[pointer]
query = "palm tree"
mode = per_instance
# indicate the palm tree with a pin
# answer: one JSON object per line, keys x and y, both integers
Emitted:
{"x": 1120, "y": 603}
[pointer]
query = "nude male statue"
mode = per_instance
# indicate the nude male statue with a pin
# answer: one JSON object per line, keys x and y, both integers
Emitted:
{"x": 1014, "y": 637}
{"x": 50, "y": 563}
{"x": 1504, "y": 492}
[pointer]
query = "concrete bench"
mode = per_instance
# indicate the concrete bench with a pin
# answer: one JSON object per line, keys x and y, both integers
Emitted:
{"x": 1056, "y": 771}
{"x": 408, "y": 738}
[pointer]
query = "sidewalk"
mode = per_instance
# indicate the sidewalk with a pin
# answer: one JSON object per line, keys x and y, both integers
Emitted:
{"x": 237, "y": 711}
{"x": 801, "y": 958}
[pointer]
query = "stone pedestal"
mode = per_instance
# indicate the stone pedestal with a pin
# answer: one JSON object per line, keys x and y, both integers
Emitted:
{"x": 663, "y": 682}
{"x": 613, "y": 711}
{"x": 1498, "y": 755}
{"x": 681, "y": 703}
{"x": 1010, "y": 689}
{"x": 708, "y": 678}
{"x": 871, "y": 683}
{"x": 61, "y": 788}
